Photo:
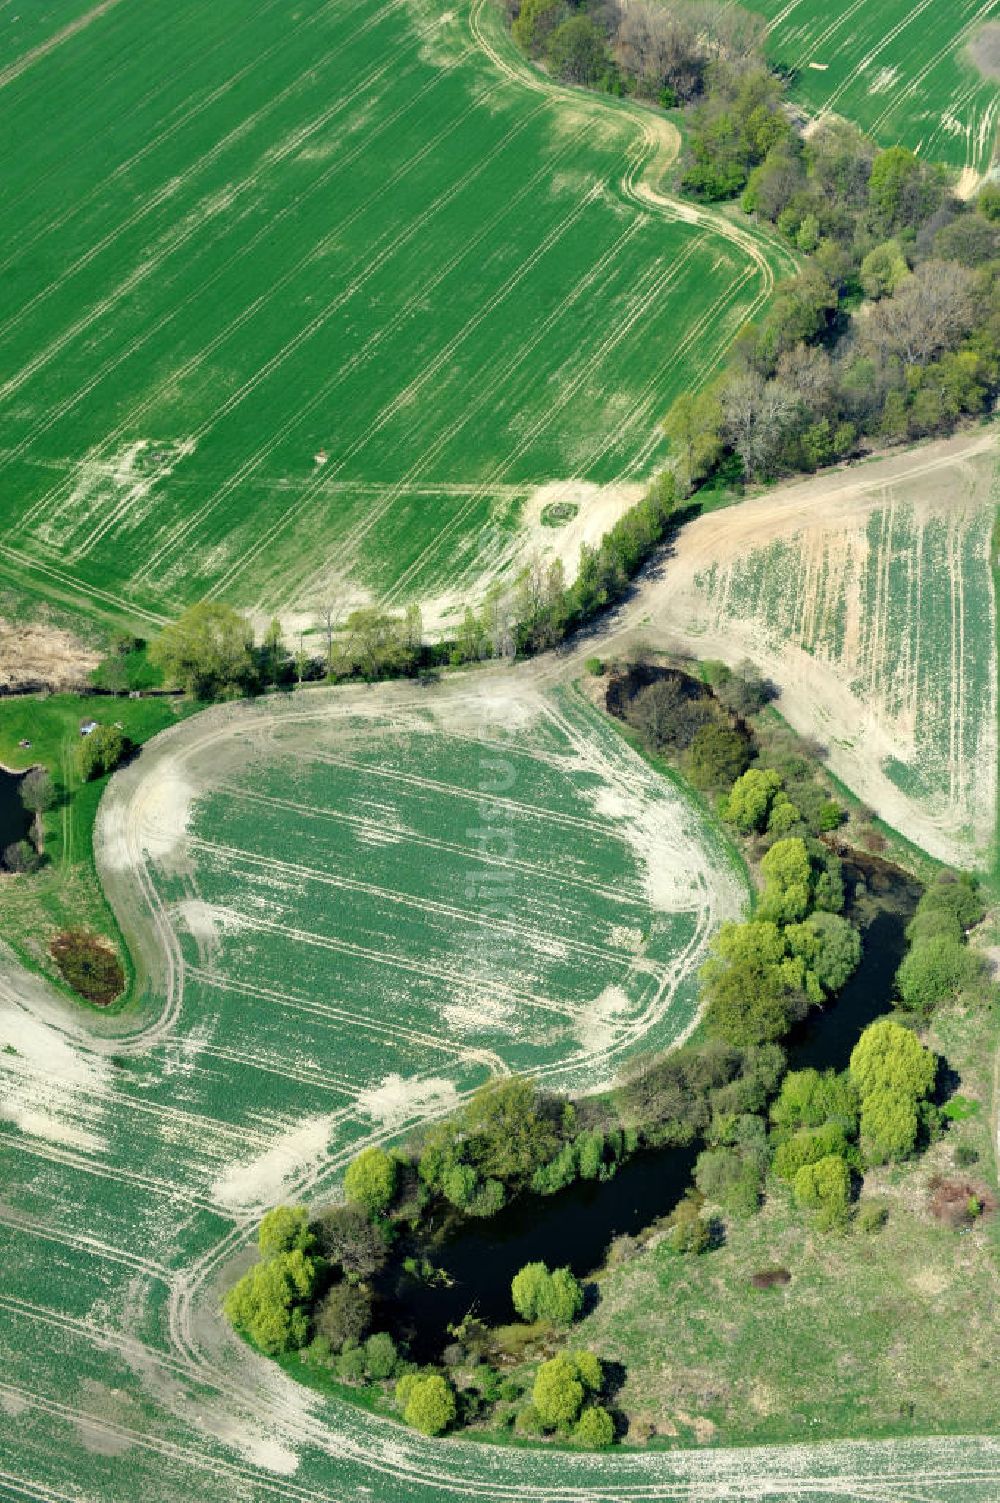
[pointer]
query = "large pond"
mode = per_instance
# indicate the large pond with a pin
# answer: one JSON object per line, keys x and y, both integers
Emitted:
{"x": 15, "y": 820}
{"x": 575, "y": 1227}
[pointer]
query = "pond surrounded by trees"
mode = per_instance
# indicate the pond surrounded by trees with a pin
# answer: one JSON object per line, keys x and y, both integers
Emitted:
{"x": 575, "y": 1227}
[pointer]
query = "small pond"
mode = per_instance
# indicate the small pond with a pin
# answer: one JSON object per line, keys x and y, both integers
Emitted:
{"x": 15, "y": 819}
{"x": 575, "y": 1227}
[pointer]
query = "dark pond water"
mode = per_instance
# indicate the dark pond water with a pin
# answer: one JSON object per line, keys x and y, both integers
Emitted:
{"x": 575, "y": 1227}
{"x": 15, "y": 820}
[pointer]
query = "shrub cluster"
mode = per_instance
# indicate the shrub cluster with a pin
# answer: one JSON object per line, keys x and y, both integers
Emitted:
{"x": 88, "y": 964}
{"x": 101, "y": 751}
{"x": 939, "y": 966}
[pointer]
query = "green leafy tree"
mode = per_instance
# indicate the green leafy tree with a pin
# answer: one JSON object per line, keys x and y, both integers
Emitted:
{"x": 883, "y": 270}
{"x": 284, "y": 1229}
{"x": 750, "y": 799}
{"x": 536, "y": 22}
{"x": 730, "y": 1178}
{"x": 936, "y": 970}
{"x": 575, "y": 51}
{"x": 717, "y": 756}
{"x": 752, "y": 992}
{"x": 269, "y": 1303}
{"x": 902, "y": 190}
{"x": 825, "y": 1187}
{"x": 428, "y": 1403}
{"x": 988, "y": 202}
{"x": 787, "y": 873}
{"x": 830, "y": 947}
{"x": 207, "y": 650}
{"x": 950, "y": 905}
{"x": 381, "y": 1356}
{"x": 595, "y": 1429}
{"x": 539, "y": 1294}
{"x": 809, "y": 1099}
{"x": 100, "y": 752}
{"x": 561, "y": 1385}
{"x": 808, "y": 1146}
{"x": 889, "y": 1057}
{"x": 370, "y": 1180}
{"x": 694, "y": 427}
{"x": 889, "y": 1125}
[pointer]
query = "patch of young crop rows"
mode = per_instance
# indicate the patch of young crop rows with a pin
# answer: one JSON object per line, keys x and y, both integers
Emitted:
{"x": 902, "y": 70}
{"x": 298, "y": 297}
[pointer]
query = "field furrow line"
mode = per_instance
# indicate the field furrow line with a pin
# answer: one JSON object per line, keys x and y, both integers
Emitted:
{"x": 47, "y": 504}
{"x": 194, "y": 221}
{"x": 81, "y": 1242}
{"x": 487, "y": 394}
{"x": 621, "y": 893}
{"x": 374, "y": 263}
{"x": 79, "y": 587}
{"x": 387, "y": 959}
{"x": 68, "y": 213}
{"x": 36, "y": 1148}
{"x": 111, "y": 1340}
{"x": 29, "y": 59}
{"x": 648, "y": 291}
{"x": 884, "y": 41}
{"x": 408, "y": 394}
{"x": 520, "y": 930}
{"x": 494, "y": 800}
{"x": 949, "y": 48}
{"x": 334, "y": 1013}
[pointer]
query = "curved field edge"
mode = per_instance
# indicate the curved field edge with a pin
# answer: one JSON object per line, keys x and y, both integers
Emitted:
{"x": 383, "y": 484}
{"x": 117, "y": 1344}
{"x": 866, "y": 594}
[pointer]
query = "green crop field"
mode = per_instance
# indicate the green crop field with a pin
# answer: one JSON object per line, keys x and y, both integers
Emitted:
{"x": 294, "y": 300}
{"x": 901, "y": 69}
{"x": 867, "y": 595}
{"x": 353, "y": 906}
{"x": 364, "y": 904}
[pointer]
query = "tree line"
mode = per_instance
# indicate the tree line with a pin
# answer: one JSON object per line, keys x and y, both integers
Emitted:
{"x": 890, "y": 331}
{"x": 211, "y": 652}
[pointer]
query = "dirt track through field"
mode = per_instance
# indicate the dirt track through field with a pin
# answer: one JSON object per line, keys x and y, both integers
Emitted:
{"x": 878, "y": 663}
{"x": 228, "y": 1421}
{"x": 279, "y": 1033}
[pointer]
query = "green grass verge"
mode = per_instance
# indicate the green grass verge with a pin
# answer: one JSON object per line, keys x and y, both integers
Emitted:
{"x": 879, "y": 1334}
{"x": 67, "y": 892}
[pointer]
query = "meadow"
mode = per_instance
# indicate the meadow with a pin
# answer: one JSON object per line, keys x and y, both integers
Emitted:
{"x": 304, "y": 312}
{"x": 891, "y": 1331}
{"x": 901, "y": 71}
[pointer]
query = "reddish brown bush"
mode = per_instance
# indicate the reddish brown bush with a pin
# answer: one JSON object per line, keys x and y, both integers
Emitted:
{"x": 959, "y": 1202}
{"x": 768, "y": 1278}
{"x": 88, "y": 964}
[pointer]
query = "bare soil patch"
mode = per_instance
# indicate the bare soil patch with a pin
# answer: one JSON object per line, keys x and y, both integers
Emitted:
{"x": 684, "y": 608}
{"x": 984, "y": 49}
{"x": 39, "y": 656}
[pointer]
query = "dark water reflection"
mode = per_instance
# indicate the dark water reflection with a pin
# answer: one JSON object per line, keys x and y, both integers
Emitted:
{"x": 575, "y": 1227}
